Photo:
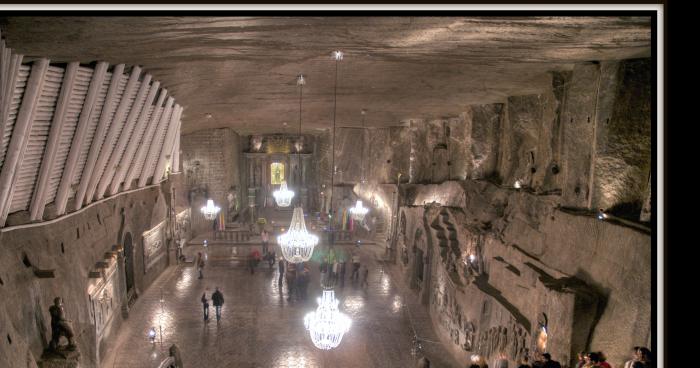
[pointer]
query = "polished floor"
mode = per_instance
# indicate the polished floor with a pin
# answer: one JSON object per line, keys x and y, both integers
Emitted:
{"x": 261, "y": 328}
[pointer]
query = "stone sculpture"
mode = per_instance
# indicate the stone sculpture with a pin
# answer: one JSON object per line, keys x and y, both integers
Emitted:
{"x": 60, "y": 326}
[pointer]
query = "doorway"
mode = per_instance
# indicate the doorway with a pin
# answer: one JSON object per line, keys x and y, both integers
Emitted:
{"x": 129, "y": 262}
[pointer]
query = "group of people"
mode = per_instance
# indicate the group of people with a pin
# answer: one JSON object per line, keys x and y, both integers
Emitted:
{"x": 641, "y": 358}
{"x": 333, "y": 272}
{"x": 217, "y": 298}
{"x": 297, "y": 276}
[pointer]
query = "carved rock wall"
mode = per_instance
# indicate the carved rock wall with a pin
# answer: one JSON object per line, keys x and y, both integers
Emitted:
{"x": 588, "y": 279}
{"x": 71, "y": 247}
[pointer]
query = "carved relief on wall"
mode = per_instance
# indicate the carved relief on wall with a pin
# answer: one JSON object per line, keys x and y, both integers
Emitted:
{"x": 182, "y": 224}
{"x": 510, "y": 341}
{"x": 102, "y": 293}
{"x": 451, "y": 317}
{"x": 153, "y": 246}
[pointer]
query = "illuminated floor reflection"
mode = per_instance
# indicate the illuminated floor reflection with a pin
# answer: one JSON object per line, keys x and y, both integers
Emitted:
{"x": 260, "y": 326}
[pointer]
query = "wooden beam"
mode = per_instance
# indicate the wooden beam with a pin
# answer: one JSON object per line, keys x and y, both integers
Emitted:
{"x": 176, "y": 151}
{"x": 117, "y": 127}
{"x": 168, "y": 141}
{"x": 38, "y": 198}
{"x": 139, "y": 131}
{"x": 126, "y": 135}
{"x": 143, "y": 145}
{"x": 154, "y": 147}
{"x": 95, "y": 146}
{"x": 77, "y": 143}
{"x": 20, "y": 135}
{"x": 8, "y": 89}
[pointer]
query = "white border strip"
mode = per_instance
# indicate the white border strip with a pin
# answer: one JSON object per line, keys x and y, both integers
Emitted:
{"x": 660, "y": 123}
{"x": 393, "y": 7}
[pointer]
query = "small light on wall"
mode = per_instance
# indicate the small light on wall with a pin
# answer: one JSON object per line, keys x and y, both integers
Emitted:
{"x": 601, "y": 214}
{"x": 205, "y": 243}
{"x": 152, "y": 334}
{"x": 208, "y": 115}
{"x": 517, "y": 184}
{"x": 472, "y": 257}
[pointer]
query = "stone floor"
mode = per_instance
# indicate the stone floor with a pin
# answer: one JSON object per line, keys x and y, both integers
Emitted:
{"x": 261, "y": 328}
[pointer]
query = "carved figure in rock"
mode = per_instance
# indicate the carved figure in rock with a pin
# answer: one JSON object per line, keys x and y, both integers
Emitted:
{"x": 232, "y": 198}
{"x": 60, "y": 326}
{"x": 468, "y": 337}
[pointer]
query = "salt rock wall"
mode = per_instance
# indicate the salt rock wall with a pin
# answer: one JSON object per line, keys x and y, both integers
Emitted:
{"x": 211, "y": 162}
{"x": 73, "y": 247}
{"x": 498, "y": 267}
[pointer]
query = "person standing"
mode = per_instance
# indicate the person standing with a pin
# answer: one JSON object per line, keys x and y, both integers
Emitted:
{"x": 355, "y": 266}
{"x": 342, "y": 273}
{"x": 218, "y": 299}
{"x": 549, "y": 363}
{"x": 205, "y": 305}
{"x": 280, "y": 267}
{"x": 365, "y": 276}
{"x": 200, "y": 264}
{"x": 265, "y": 237}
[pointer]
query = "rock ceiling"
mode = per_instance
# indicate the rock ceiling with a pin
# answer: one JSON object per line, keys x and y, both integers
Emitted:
{"x": 241, "y": 71}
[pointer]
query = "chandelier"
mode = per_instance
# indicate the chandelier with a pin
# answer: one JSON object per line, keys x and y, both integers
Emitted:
{"x": 210, "y": 210}
{"x": 358, "y": 212}
{"x": 283, "y": 196}
{"x": 297, "y": 244}
{"x": 327, "y": 324}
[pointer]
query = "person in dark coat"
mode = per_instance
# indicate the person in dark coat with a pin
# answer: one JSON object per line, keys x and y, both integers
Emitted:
{"x": 218, "y": 299}
{"x": 280, "y": 267}
{"x": 205, "y": 305}
{"x": 549, "y": 363}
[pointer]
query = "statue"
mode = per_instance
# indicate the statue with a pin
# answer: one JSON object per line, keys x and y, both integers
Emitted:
{"x": 60, "y": 326}
{"x": 232, "y": 198}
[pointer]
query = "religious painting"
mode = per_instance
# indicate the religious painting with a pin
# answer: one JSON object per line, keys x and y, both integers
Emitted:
{"x": 276, "y": 173}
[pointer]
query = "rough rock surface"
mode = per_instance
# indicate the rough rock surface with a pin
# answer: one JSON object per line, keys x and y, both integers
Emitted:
{"x": 72, "y": 247}
{"x": 242, "y": 69}
{"x": 590, "y": 278}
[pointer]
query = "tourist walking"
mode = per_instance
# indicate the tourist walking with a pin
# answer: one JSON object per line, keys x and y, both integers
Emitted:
{"x": 365, "y": 276}
{"x": 291, "y": 281}
{"x": 280, "y": 267}
{"x": 218, "y": 299}
{"x": 265, "y": 237}
{"x": 342, "y": 273}
{"x": 524, "y": 362}
{"x": 355, "y": 266}
{"x": 205, "y": 305}
{"x": 200, "y": 264}
{"x": 271, "y": 259}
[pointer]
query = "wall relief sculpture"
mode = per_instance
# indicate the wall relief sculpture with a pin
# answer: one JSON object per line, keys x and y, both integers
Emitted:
{"x": 510, "y": 341}
{"x": 153, "y": 246}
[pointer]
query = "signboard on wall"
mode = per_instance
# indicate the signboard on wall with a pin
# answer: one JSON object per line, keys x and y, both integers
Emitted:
{"x": 153, "y": 245}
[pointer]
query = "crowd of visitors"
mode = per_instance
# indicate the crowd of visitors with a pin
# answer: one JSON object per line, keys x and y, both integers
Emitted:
{"x": 641, "y": 358}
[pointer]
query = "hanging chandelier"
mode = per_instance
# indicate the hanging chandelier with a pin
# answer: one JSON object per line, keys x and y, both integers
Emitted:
{"x": 358, "y": 212}
{"x": 297, "y": 244}
{"x": 283, "y": 196}
{"x": 210, "y": 210}
{"x": 327, "y": 324}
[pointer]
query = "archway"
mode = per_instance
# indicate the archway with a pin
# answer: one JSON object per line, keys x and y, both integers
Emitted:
{"x": 129, "y": 262}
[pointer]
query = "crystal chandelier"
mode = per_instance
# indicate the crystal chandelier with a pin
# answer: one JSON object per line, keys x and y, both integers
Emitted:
{"x": 358, "y": 212}
{"x": 327, "y": 324}
{"x": 283, "y": 196}
{"x": 297, "y": 244}
{"x": 210, "y": 210}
